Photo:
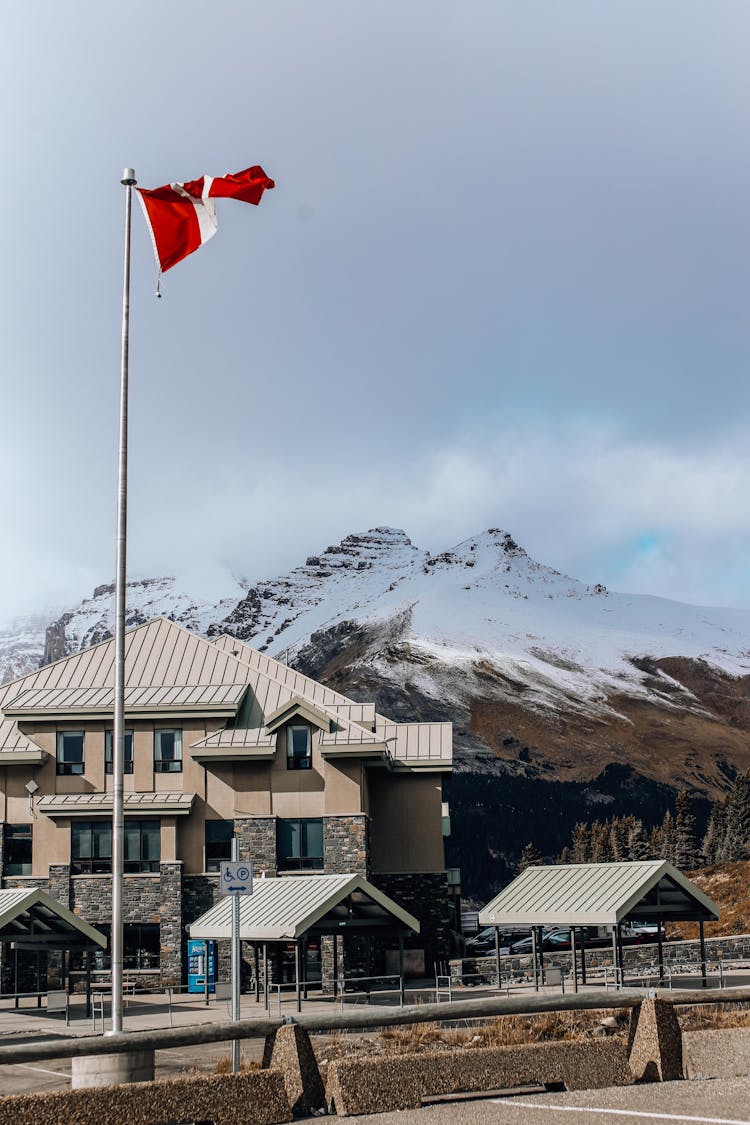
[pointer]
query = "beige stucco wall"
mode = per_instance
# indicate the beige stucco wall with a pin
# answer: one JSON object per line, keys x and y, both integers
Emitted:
{"x": 406, "y": 824}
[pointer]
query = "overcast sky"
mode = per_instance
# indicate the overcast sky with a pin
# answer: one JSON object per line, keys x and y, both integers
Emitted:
{"x": 502, "y": 281}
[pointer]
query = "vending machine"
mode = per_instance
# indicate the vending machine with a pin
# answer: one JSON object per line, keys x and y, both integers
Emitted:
{"x": 198, "y": 953}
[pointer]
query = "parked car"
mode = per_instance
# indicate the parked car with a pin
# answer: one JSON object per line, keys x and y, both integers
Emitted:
{"x": 483, "y": 943}
{"x": 559, "y": 939}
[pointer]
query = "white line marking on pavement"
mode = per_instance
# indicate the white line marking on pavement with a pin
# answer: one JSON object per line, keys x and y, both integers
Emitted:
{"x": 625, "y": 1112}
{"x": 57, "y": 1073}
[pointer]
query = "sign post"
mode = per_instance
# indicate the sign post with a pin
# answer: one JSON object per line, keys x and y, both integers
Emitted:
{"x": 236, "y": 880}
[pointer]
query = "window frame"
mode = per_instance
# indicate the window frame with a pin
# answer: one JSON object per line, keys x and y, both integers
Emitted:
{"x": 301, "y": 828}
{"x": 69, "y": 768}
{"x": 168, "y": 765}
{"x": 99, "y": 838}
{"x": 213, "y": 862}
{"x": 109, "y": 738}
{"x": 18, "y": 834}
{"x": 294, "y": 760}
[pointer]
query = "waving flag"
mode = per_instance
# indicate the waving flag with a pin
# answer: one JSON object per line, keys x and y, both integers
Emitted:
{"x": 181, "y": 217}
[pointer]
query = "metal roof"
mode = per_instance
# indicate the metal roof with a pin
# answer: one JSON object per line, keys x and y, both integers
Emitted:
{"x": 598, "y": 894}
{"x": 33, "y": 919}
{"x": 284, "y": 909}
{"x": 170, "y": 802}
{"x": 221, "y": 699}
{"x": 170, "y": 670}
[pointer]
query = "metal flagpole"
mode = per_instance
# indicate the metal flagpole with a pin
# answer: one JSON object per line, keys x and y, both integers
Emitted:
{"x": 118, "y": 734}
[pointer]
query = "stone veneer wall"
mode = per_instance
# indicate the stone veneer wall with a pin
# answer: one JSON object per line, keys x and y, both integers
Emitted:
{"x": 426, "y": 896}
{"x": 257, "y": 842}
{"x": 346, "y": 845}
{"x": 171, "y": 942}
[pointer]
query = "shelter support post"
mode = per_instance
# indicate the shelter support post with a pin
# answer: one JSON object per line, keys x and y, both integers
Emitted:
{"x": 297, "y": 990}
{"x": 401, "y": 996}
{"x": 265, "y": 973}
{"x": 573, "y": 957}
{"x": 583, "y": 960}
{"x": 335, "y": 965}
{"x": 534, "y": 964}
{"x": 620, "y": 957}
{"x": 88, "y": 983}
{"x": 660, "y": 950}
{"x": 540, "y": 947}
{"x": 615, "y": 965}
{"x": 701, "y": 931}
{"x": 256, "y": 973}
{"x": 497, "y": 956}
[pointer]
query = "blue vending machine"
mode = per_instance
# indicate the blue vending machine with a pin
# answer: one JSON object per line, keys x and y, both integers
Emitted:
{"x": 197, "y": 953}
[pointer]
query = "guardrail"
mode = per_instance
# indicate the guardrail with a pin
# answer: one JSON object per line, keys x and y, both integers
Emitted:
{"x": 360, "y": 1019}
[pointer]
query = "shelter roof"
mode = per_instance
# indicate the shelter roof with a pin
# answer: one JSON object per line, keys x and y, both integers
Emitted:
{"x": 284, "y": 909}
{"x": 598, "y": 894}
{"x": 33, "y": 919}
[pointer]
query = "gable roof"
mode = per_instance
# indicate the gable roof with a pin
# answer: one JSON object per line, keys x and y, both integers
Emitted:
{"x": 286, "y": 908}
{"x": 598, "y": 894}
{"x": 30, "y": 917}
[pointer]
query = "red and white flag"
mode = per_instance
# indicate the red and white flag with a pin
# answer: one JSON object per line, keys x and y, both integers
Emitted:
{"x": 181, "y": 217}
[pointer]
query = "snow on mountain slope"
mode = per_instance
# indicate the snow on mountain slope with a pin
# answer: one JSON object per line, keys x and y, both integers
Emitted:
{"x": 21, "y": 646}
{"x": 93, "y": 620}
{"x": 487, "y": 601}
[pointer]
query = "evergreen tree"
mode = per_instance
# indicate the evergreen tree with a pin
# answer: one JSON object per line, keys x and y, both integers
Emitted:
{"x": 686, "y": 852}
{"x": 636, "y": 839}
{"x": 668, "y": 838}
{"x": 601, "y": 845}
{"x": 618, "y": 839}
{"x": 736, "y": 843}
{"x": 530, "y": 857}
{"x": 713, "y": 841}
{"x": 580, "y": 847}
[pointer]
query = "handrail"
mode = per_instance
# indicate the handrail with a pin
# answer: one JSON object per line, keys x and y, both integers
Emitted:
{"x": 224, "y": 1030}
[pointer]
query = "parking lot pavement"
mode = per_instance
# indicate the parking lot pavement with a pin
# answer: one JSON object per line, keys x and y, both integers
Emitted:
{"x": 669, "y": 1103}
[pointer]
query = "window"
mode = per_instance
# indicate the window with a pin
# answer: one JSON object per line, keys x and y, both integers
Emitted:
{"x": 70, "y": 751}
{"x": 108, "y": 760}
{"x": 298, "y": 748}
{"x": 91, "y": 847}
{"x": 299, "y": 844}
{"x": 17, "y": 840}
{"x": 219, "y": 835}
{"x": 168, "y": 751}
{"x": 140, "y": 948}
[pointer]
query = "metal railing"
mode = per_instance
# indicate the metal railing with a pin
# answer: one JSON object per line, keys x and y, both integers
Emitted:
{"x": 361, "y": 1018}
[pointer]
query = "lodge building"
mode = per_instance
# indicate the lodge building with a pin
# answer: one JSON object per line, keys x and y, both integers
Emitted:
{"x": 220, "y": 741}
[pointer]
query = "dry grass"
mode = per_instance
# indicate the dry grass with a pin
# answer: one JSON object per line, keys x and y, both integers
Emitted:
{"x": 504, "y": 1031}
{"x": 728, "y": 884}
{"x": 224, "y": 1065}
{"x": 707, "y": 1017}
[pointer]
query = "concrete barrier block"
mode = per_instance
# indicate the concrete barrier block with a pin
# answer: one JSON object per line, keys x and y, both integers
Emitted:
{"x": 252, "y": 1098}
{"x": 655, "y": 1043}
{"x": 293, "y": 1055}
{"x": 386, "y": 1083}
{"x": 719, "y": 1053}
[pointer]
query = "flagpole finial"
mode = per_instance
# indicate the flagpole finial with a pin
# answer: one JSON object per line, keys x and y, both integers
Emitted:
{"x": 128, "y": 177}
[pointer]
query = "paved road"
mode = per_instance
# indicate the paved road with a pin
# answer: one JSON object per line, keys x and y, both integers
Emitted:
{"x": 725, "y": 1102}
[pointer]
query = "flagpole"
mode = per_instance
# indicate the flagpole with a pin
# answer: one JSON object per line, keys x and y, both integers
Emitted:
{"x": 118, "y": 734}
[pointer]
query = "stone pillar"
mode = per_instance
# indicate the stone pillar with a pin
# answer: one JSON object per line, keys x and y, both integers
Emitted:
{"x": 256, "y": 838}
{"x": 170, "y": 922}
{"x": 346, "y": 845}
{"x": 59, "y": 883}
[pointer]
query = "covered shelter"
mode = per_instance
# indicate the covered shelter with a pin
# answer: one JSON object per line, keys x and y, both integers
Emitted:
{"x": 600, "y": 894}
{"x": 291, "y": 911}
{"x": 32, "y": 921}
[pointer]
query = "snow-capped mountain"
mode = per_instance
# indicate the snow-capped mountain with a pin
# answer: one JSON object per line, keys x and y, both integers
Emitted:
{"x": 567, "y": 699}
